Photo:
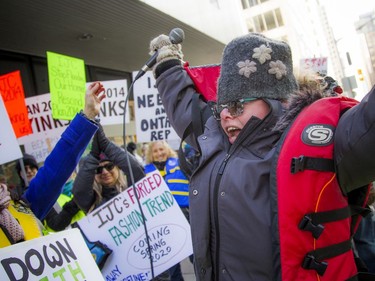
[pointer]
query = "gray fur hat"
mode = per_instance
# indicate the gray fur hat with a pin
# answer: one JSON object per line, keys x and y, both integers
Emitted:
{"x": 256, "y": 66}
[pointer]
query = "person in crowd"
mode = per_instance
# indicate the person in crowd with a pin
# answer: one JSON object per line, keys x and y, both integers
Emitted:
{"x": 104, "y": 173}
{"x": 144, "y": 148}
{"x": 235, "y": 200}
{"x": 20, "y": 218}
{"x": 132, "y": 148}
{"x": 31, "y": 168}
{"x": 160, "y": 156}
{"x": 65, "y": 212}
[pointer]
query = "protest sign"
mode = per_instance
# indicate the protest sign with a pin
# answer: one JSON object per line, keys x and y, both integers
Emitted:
{"x": 314, "y": 64}
{"x": 151, "y": 121}
{"x": 11, "y": 89}
{"x": 59, "y": 256}
{"x": 40, "y": 116}
{"x": 67, "y": 80}
{"x": 9, "y": 148}
{"x": 112, "y": 107}
{"x": 121, "y": 223}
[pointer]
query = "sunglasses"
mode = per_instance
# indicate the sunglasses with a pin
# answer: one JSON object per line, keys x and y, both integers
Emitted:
{"x": 109, "y": 167}
{"x": 235, "y": 108}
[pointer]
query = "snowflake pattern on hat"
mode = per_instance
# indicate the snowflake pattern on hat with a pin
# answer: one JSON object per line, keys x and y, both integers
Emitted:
{"x": 246, "y": 68}
{"x": 278, "y": 69}
{"x": 262, "y": 53}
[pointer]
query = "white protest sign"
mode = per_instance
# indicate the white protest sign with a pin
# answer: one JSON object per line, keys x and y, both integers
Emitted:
{"x": 9, "y": 148}
{"x": 314, "y": 64}
{"x": 41, "y": 148}
{"x": 47, "y": 131}
{"x": 42, "y": 123}
{"x": 58, "y": 256}
{"x": 121, "y": 226}
{"x": 112, "y": 107}
{"x": 151, "y": 120}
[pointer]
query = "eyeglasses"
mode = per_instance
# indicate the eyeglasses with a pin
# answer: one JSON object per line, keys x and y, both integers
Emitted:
{"x": 235, "y": 108}
{"x": 109, "y": 167}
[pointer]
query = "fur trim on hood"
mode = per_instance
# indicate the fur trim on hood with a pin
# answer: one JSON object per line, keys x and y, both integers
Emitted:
{"x": 310, "y": 90}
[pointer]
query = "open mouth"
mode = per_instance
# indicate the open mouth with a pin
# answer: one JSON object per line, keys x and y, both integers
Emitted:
{"x": 232, "y": 130}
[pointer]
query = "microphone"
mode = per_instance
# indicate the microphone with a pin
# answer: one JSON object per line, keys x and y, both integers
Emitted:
{"x": 176, "y": 36}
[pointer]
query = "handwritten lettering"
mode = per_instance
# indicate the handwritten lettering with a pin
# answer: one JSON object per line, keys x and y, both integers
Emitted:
{"x": 35, "y": 262}
{"x": 144, "y": 187}
{"x": 159, "y": 204}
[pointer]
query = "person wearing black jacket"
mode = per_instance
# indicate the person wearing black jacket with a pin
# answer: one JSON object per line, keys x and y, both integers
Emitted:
{"x": 104, "y": 173}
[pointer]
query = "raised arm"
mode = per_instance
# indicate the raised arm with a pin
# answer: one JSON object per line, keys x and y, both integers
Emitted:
{"x": 45, "y": 188}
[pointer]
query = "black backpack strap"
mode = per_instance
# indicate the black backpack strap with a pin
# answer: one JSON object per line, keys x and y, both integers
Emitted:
{"x": 315, "y": 259}
{"x": 313, "y": 222}
{"x": 302, "y": 163}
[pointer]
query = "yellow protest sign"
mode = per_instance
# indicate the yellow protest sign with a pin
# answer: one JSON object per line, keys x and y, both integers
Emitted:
{"x": 67, "y": 79}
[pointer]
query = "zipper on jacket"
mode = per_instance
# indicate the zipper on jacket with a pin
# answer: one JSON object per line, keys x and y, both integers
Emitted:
{"x": 222, "y": 166}
{"x": 216, "y": 215}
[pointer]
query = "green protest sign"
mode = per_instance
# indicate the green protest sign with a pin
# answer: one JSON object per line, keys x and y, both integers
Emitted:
{"x": 67, "y": 81}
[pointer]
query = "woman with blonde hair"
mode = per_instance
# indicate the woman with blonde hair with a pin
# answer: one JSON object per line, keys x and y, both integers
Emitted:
{"x": 161, "y": 156}
{"x": 104, "y": 173}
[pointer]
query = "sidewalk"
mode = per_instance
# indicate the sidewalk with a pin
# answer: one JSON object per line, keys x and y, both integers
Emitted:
{"x": 187, "y": 270}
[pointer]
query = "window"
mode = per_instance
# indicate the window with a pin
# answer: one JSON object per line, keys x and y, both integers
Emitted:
{"x": 279, "y": 18}
{"x": 258, "y": 23}
{"x": 270, "y": 20}
{"x": 267, "y": 21}
{"x": 10, "y": 62}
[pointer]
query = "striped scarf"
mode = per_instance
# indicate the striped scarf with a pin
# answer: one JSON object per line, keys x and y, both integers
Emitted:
{"x": 6, "y": 219}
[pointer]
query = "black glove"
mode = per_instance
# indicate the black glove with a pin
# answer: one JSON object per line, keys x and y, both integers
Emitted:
{"x": 166, "y": 50}
{"x": 71, "y": 208}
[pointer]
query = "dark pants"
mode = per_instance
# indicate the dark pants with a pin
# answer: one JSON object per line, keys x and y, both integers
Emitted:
{"x": 175, "y": 273}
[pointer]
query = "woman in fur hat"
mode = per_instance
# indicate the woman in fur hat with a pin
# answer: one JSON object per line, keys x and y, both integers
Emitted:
{"x": 250, "y": 201}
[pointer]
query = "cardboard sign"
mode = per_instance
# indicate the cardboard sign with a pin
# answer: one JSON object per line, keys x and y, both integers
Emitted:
{"x": 314, "y": 64}
{"x": 120, "y": 224}
{"x": 151, "y": 121}
{"x": 59, "y": 256}
{"x": 43, "y": 124}
{"x": 112, "y": 107}
{"x": 67, "y": 84}
{"x": 11, "y": 89}
{"x": 9, "y": 148}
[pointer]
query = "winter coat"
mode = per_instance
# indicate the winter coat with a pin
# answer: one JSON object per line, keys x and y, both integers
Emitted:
{"x": 84, "y": 194}
{"x": 47, "y": 185}
{"x": 230, "y": 191}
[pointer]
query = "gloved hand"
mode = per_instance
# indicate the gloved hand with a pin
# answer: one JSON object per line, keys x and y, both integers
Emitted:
{"x": 166, "y": 50}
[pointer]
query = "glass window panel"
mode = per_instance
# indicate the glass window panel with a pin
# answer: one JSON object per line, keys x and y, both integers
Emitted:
{"x": 258, "y": 23}
{"x": 279, "y": 17}
{"x": 10, "y": 62}
{"x": 270, "y": 20}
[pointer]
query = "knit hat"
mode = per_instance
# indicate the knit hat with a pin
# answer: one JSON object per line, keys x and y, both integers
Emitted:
{"x": 27, "y": 160}
{"x": 254, "y": 66}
